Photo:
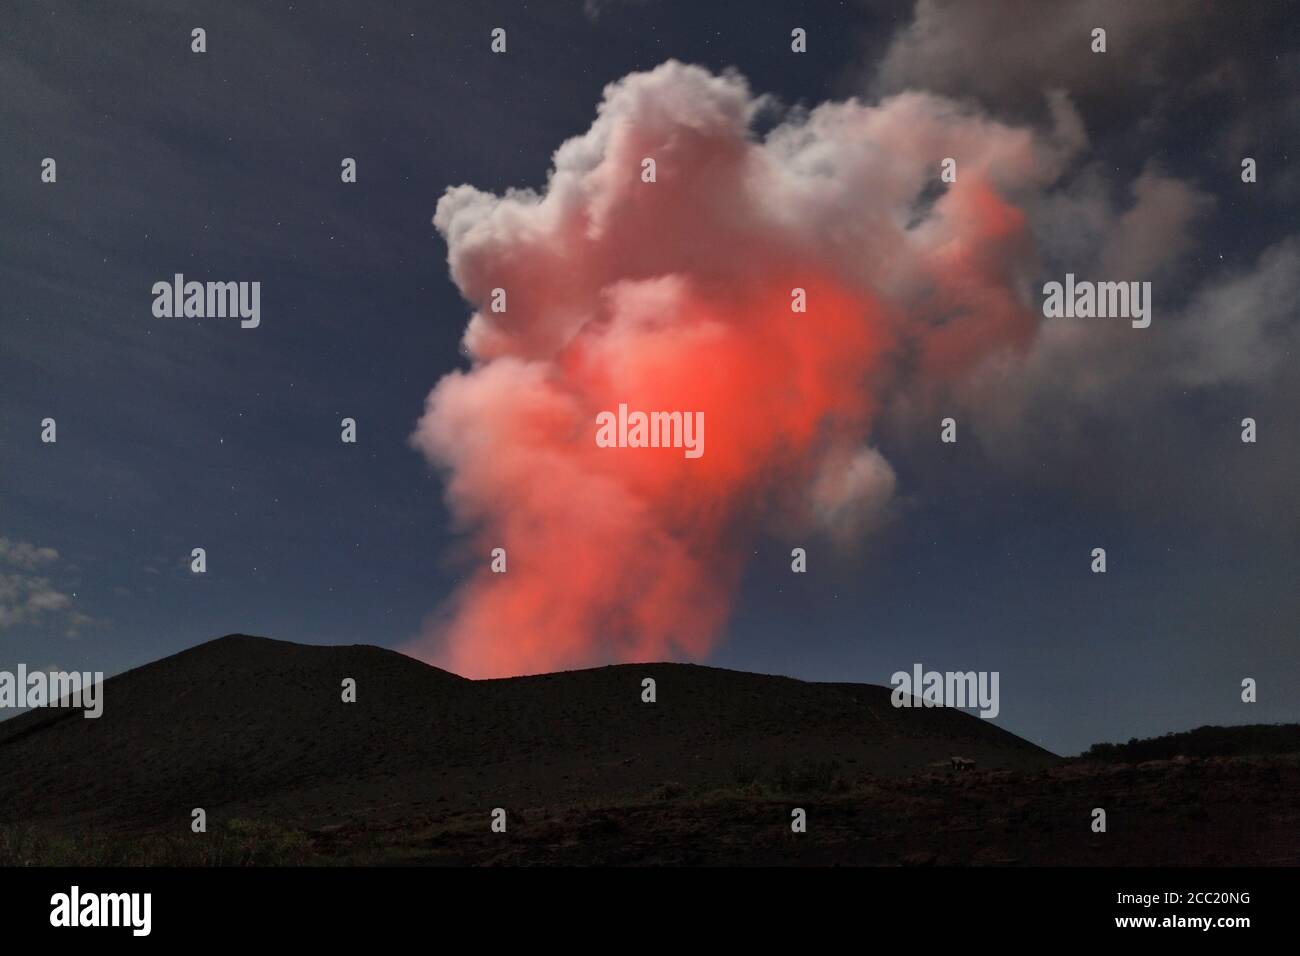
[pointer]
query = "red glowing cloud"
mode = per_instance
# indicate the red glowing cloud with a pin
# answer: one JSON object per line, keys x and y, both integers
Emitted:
{"x": 676, "y": 295}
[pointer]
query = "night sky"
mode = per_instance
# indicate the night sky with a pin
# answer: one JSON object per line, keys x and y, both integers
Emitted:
{"x": 183, "y": 433}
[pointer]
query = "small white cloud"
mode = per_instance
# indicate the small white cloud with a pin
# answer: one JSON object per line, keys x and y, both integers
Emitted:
{"x": 34, "y": 599}
{"x": 25, "y": 555}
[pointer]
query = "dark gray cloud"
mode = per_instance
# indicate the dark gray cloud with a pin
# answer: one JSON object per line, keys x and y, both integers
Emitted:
{"x": 1153, "y": 192}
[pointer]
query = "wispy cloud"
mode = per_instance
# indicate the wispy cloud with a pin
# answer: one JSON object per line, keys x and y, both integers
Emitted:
{"x": 34, "y": 599}
{"x": 25, "y": 555}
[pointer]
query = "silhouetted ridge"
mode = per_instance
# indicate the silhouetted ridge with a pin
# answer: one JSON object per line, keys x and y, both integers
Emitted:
{"x": 1209, "y": 741}
{"x": 258, "y": 726}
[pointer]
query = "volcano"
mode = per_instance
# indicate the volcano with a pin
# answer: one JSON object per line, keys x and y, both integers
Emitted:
{"x": 257, "y": 734}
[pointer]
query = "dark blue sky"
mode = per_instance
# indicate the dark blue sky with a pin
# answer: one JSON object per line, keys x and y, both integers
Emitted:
{"x": 181, "y": 434}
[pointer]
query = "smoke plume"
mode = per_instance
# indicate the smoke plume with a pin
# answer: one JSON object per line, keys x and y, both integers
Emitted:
{"x": 676, "y": 295}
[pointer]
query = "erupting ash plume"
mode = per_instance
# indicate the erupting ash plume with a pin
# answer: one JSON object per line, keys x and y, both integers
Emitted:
{"x": 676, "y": 295}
